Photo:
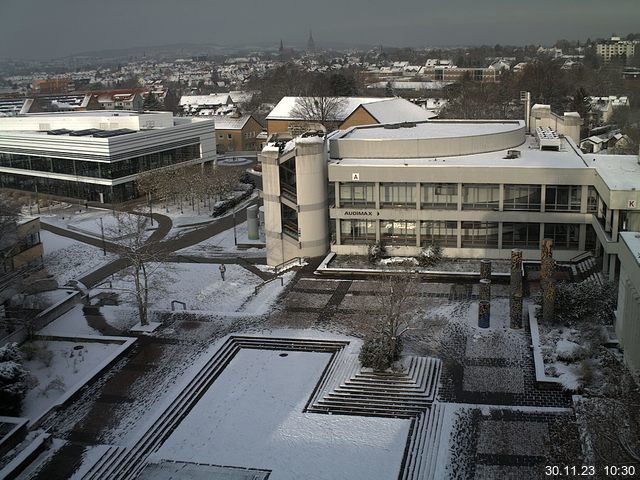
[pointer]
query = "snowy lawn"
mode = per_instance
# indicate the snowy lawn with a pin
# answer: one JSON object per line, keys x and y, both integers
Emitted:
{"x": 252, "y": 417}
{"x": 68, "y": 259}
{"x": 57, "y": 372}
{"x": 223, "y": 244}
{"x": 198, "y": 285}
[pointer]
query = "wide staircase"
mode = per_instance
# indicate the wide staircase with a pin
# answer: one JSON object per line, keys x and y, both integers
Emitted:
{"x": 127, "y": 463}
{"x": 402, "y": 394}
{"x": 344, "y": 388}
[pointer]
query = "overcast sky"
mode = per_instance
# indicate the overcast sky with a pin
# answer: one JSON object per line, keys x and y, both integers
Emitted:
{"x": 54, "y": 28}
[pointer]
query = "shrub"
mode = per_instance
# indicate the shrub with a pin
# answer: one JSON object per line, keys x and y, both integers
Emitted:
{"x": 430, "y": 255}
{"x": 584, "y": 302}
{"x": 377, "y": 251}
{"x": 378, "y": 353}
{"x": 13, "y": 380}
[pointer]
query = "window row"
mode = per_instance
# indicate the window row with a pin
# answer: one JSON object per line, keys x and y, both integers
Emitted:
{"x": 107, "y": 170}
{"x": 474, "y": 196}
{"x": 473, "y": 234}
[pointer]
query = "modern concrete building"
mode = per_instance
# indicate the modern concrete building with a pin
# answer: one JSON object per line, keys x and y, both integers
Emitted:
{"x": 95, "y": 155}
{"x": 478, "y": 188}
{"x": 628, "y": 312}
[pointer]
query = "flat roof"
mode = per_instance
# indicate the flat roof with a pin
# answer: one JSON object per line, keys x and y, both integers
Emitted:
{"x": 90, "y": 113}
{"x": 632, "y": 239}
{"x": 431, "y": 129}
{"x": 620, "y": 172}
{"x": 530, "y": 156}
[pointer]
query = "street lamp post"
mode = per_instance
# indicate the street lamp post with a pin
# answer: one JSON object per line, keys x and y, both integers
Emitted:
{"x": 235, "y": 237}
{"x": 150, "y": 208}
{"x": 104, "y": 246}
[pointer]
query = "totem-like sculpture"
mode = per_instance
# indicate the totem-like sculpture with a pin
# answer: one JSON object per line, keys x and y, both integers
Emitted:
{"x": 484, "y": 314}
{"x": 515, "y": 290}
{"x": 549, "y": 302}
{"x": 484, "y": 306}
{"x": 547, "y": 269}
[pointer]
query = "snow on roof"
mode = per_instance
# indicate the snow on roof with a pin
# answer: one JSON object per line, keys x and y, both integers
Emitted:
{"x": 282, "y": 111}
{"x": 632, "y": 239}
{"x": 620, "y": 172}
{"x": 226, "y": 122}
{"x": 213, "y": 99}
{"x": 395, "y": 110}
{"x": 531, "y": 157}
{"x": 432, "y": 130}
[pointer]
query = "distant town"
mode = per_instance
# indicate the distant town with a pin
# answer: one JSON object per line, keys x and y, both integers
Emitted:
{"x": 298, "y": 262}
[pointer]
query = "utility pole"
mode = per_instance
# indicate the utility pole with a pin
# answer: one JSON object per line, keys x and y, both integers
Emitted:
{"x": 104, "y": 246}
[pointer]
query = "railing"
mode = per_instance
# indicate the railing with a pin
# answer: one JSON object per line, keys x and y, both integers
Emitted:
{"x": 258, "y": 287}
{"x": 292, "y": 262}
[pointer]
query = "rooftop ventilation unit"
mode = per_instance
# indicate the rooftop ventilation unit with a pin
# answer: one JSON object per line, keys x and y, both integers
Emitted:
{"x": 84, "y": 133}
{"x": 548, "y": 139}
{"x": 113, "y": 133}
{"x": 511, "y": 154}
{"x": 58, "y": 131}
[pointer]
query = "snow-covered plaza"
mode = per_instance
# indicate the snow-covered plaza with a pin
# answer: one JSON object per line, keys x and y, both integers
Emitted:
{"x": 256, "y": 375}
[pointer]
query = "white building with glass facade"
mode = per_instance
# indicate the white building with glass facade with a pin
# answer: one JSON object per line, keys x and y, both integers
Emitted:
{"x": 477, "y": 188}
{"x": 97, "y": 155}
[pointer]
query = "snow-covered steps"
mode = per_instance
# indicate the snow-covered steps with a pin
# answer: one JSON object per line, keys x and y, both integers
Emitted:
{"x": 102, "y": 467}
{"x": 388, "y": 394}
{"x": 128, "y": 463}
{"x": 423, "y": 446}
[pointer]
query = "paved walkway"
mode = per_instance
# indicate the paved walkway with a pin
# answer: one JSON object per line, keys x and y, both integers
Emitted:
{"x": 155, "y": 241}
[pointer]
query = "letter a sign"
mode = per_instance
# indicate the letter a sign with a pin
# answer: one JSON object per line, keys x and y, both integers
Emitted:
{"x": 355, "y": 177}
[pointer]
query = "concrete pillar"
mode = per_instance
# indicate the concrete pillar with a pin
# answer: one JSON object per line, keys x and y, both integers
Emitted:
{"x": 485, "y": 269}
{"x": 612, "y": 267}
{"x": 484, "y": 314}
{"x": 515, "y": 311}
{"x": 252, "y": 222}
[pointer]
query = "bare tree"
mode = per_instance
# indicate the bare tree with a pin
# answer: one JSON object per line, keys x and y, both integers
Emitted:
{"x": 321, "y": 109}
{"x": 397, "y": 307}
{"x": 143, "y": 257}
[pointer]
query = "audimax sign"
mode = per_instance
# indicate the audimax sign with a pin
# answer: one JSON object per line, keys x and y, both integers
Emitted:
{"x": 361, "y": 213}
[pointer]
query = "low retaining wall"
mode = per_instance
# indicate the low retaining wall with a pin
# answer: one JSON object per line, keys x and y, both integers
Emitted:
{"x": 543, "y": 381}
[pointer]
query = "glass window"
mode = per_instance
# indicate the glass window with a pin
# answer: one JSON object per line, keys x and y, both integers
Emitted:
{"x": 564, "y": 235}
{"x": 444, "y": 233}
{"x": 398, "y": 232}
{"x": 289, "y": 221}
{"x": 357, "y": 232}
{"x": 41, "y": 164}
{"x": 288, "y": 181}
{"x": 398, "y": 195}
{"x": 357, "y": 195}
{"x": 63, "y": 165}
{"x": 87, "y": 169}
{"x": 439, "y": 195}
{"x": 563, "y": 198}
{"x": 592, "y": 200}
{"x": 522, "y": 197}
{"x": 480, "y": 197}
{"x": 480, "y": 234}
{"x": 521, "y": 235}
